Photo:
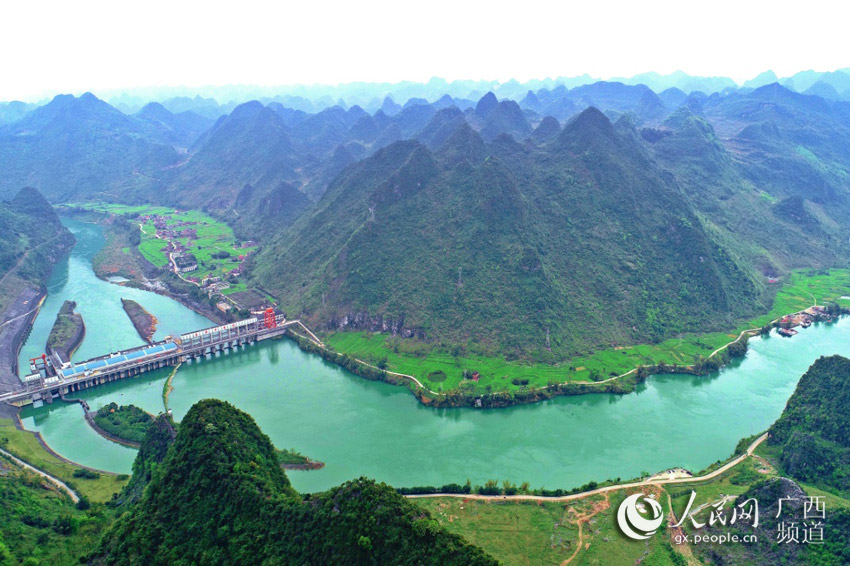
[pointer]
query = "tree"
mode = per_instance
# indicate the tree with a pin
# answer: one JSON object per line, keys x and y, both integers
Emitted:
{"x": 6, "y": 558}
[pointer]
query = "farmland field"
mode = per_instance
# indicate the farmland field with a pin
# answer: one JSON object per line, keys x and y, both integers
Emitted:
{"x": 214, "y": 238}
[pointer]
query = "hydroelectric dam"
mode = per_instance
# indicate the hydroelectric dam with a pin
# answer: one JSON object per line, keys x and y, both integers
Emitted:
{"x": 53, "y": 377}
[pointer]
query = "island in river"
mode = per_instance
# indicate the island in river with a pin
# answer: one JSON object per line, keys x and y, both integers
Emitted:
{"x": 144, "y": 322}
{"x": 67, "y": 333}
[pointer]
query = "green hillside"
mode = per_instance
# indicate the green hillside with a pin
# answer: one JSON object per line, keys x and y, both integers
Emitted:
{"x": 33, "y": 239}
{"x": 583, "y": 239}
{"x": 219, "y": 496}
{"x": 811, "y": 434}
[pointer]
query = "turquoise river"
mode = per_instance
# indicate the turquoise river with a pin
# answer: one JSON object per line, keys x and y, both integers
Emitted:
{"x": 363, "y": 428}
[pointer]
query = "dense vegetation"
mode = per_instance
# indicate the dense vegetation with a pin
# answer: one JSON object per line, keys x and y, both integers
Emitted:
{"x": 127, "y": 421}
{"x": 527, "y": 259}
{"x": 67, "y": 331}
{"x": 39, "y": 526}
{"x": 812, "y": 431}
{"x": 33, "y": 239}
{"x": 601, "y": 234}
{"x": 220, "y": 496}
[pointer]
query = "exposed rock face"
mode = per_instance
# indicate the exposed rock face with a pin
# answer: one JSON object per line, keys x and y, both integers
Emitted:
{"x": 362, "y": 320}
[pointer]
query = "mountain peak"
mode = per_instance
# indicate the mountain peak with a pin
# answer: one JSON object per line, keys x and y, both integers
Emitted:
{"x": 154, "y": 111}
{"x": 445, "y": 101}
{"x": 772, "y": 90}
{"x": 765, "y": 78}
{"x": 589, "y": 120}
{"x": 389, "y": 106}
{"x": 463, "y": 144}
{"x": 441, "y": 127}
{"x": 248, "y": 109}
{"x": 548, "y": 128}
{"x": 506, "y": 117}
{"x": 486, "y": 104}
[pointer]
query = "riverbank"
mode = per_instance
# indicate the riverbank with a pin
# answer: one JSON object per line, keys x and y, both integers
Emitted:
{"x": 143, "y": 321}
{"x": 15, "y": 326}
{"x": 474, "y": 397}
{"x": 620, "y": 384}
{"x": 580, "y": 493}
{"x": 67, "y": 333}
{"x": 457, "y": 377}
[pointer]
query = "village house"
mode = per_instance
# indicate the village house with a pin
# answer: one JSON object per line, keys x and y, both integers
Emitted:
{"x": 185, "y": 263}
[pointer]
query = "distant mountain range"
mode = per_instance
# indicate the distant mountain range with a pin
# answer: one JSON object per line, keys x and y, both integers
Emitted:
{"x": 562, "y": 219}
{"x": 213, "y": 101}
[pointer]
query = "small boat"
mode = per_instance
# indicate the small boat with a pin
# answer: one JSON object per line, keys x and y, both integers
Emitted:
{"x": 787, "y": 332}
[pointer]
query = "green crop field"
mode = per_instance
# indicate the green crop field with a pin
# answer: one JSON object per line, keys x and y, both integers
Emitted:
{"x": 214, "y": 237}
{"x": 421, "y": 360}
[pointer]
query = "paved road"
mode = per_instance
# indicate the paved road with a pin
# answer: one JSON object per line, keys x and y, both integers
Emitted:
{"x": 711, "y": 475}
{"x": 57, "y": 482}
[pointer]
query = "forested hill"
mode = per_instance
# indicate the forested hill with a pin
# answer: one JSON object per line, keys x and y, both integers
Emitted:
{"x": 33, "y": 238}
{"x": 219, "y": 496}
{"x": 812, "y": 431}
{"x": 583, "y": 238}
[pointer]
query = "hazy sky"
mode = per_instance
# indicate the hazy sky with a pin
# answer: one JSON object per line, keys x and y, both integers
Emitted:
{"x": 79, "y": 45}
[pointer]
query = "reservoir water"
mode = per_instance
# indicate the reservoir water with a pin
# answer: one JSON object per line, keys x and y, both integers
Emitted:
{"x": 364, "y": 428}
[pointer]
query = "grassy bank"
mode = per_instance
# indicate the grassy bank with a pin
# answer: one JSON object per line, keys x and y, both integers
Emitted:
{"x": 25, "y": 446}
{"x": 530, "y": 533}
{"x": 442, "y": 369}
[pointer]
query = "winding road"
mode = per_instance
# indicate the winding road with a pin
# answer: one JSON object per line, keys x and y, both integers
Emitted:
{"x": 55, "y": 481}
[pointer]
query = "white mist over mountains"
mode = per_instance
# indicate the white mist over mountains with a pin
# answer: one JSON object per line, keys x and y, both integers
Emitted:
{"x": 108, "y": 48}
